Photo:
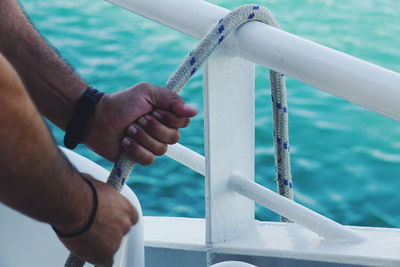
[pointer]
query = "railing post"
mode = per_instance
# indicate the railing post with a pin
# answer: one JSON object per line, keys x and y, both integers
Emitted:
{"x": 229, "y": 144}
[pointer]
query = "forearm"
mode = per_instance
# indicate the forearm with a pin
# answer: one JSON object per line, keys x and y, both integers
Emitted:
{"x": 53, "y": 85}
{"x": 35, "y": 178}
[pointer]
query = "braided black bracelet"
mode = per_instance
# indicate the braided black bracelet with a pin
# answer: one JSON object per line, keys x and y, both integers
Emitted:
{"x": 91, "y": 217}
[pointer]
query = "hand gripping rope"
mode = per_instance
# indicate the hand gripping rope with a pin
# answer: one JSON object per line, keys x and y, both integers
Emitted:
{"x": 190, "y": 65}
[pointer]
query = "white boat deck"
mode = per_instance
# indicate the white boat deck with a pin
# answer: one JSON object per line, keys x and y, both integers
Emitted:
{"x": 278, "y": 240}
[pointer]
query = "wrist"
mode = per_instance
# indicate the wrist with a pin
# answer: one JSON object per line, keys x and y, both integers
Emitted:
{"x": 79, "y": 207}
{"x": 99, "y": 118}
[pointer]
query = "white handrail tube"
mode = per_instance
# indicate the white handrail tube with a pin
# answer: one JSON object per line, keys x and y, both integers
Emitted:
{"x": 305, "y": 217}
{"x": 347, "y": 77}
{"x": 309, "y": 219}
{"x": 187, "y": 157}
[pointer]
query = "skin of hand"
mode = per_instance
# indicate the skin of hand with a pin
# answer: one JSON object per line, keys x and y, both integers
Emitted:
{"x": 114, "y": 218}
{"x": 143, "y": 119}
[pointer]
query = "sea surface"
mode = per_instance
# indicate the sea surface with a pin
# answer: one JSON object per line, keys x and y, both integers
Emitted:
{"x": 345, "y": 160}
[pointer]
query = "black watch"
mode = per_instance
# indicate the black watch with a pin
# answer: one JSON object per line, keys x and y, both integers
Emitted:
{"x": 83, "y": 111}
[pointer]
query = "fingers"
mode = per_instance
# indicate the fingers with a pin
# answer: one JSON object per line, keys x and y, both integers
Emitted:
{"x": 148, "y": 137}
{"x": 124, "y": 203}
{"x": 138, "y": 134}
{"x": 153, "y": 134}
{"x": 133, "y": 216}
{"x": 158, "y": 130}
{"x": 137, "y": 152}
{"x": 168, "y": 100}
{"x": 182, "y": 109}
{"x": 170, "y": 119}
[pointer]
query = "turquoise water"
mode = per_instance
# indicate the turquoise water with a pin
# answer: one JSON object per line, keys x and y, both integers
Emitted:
{"x": 346, "y": 160}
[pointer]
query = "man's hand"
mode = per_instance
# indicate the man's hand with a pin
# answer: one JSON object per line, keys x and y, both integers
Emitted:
{"x": 114, "y": 218}
{"x": 143, "y": 119}
{"x": 55, "y": 88}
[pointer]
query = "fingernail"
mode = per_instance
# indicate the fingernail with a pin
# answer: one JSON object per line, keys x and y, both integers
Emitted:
{"x": 142, "y": 121}
{"x": 132, "y": 130}
{"x": 156, "y": 115}
{"x": 126, "y": 141}
{"x": 189, "y": 107}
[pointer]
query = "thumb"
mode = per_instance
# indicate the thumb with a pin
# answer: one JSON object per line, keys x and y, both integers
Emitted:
{"x": 166, "y": 99}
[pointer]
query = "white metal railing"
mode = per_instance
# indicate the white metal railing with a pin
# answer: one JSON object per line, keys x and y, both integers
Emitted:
{"x": 305, "y": 217}
{"x": 360, "y": 82}
{"x": 368, "y": 85}
{"x": 187, "y": 157}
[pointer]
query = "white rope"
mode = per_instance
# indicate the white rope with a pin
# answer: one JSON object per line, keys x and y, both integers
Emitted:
{"x": 185, "y": 71}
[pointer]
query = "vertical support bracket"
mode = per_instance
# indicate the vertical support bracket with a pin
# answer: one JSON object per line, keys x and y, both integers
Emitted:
{"x": 229, "y": 140}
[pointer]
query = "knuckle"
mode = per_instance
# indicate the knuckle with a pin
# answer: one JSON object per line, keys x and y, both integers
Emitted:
{"x": 174, "y": 137}
{"x": 175, "y": 98}
{"x": 134, "y": 151}
{"x": 133, "y": 148}
{"x": 143, "y": 85}
{"x": 126, "y": 227}
{"x": 131, "y": 211}
{"x": 134, "y": 217}
{"x": 147, "y": 160}
{"x": 162, "y": 149}
{"x": 132, "y": 214}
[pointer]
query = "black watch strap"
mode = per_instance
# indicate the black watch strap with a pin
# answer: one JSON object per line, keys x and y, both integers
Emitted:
{"x": 83, "y": 111}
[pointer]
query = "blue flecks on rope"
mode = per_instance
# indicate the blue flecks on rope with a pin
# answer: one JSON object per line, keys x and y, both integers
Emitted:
{"x": 285, "y": 145}
{"x": 221, "y": 20}
{"x": 285, "y": 109}
{"x": 256, "y": 7}
{"x": 221, "y": 29}
{"x": 192, "y": 61}
{"x": 193, "y": 71}
{"x": 251, "y": 15}
{"x": 278, "y": 140}
{"x": 220, "y": 39}
{"x": 119, "y": 172}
